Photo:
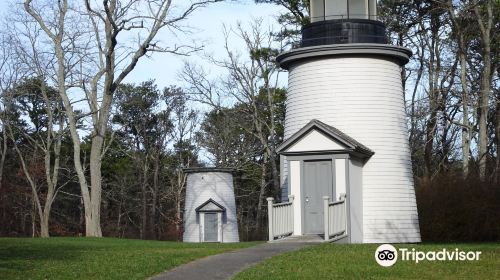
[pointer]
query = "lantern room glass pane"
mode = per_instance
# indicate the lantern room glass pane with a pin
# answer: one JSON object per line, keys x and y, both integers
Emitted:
{"x": 372, "y": 8}
{"x": 343, "y": 9}
{"x": 335, "y": 9}
{"x": 317, "y": 10}
{"x": 358, "y": 9}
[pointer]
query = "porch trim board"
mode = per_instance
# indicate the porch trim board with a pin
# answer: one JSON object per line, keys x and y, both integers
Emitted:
{"x": 296, "y": 182}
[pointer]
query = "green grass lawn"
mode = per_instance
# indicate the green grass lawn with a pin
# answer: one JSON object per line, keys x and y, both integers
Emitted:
{"x": 337, "y": 261}
{"x": 97, "y": 258}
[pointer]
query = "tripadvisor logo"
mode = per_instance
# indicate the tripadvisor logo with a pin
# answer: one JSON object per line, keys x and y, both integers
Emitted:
{"x": 387, "y": 255}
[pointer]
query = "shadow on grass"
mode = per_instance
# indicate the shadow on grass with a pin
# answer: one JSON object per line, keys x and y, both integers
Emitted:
{"x": 92, "y": 258}
{"x": 26, "y": 254}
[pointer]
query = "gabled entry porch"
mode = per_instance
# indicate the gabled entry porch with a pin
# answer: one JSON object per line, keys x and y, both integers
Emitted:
{"x": 211, "y": 218}
{"x": 334, "y": 223}
{"x": 322, "y": 171}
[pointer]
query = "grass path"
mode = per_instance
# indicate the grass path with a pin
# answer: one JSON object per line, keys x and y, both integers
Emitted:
{"x": 337, "y": 261}
{"x": 97, "y": 258}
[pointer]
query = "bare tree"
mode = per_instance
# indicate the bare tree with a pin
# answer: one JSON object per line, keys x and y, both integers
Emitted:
{"x": 158, "y": 148}
{"x": 185, "y": 121}
{"x": 112, "y": 22}
{"x": 461, "y": 29}
{"x": 45, "y": 139}
{"x": 10, "y": 73}
{"x": 484, "y": 14}
{"x": 147, "y": 123}
{"x": 251, "y": 83}
{"x": 444, "y": 75}
{"x": 497, "y": 128}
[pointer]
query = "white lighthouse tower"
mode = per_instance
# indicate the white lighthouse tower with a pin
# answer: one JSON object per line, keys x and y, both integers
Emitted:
{"x": 345, "y": 128}
{"x": 210, "y": 207}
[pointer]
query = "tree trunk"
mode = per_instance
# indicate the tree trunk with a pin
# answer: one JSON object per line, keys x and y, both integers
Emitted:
{"x": 4, "y": 152}
{"x": 262, "y": 192}
{"x": 119, "y": 219}
{"x": 144, "y": 202}
{"x": 181, "y": 180}
{"x": 2, "y": 164}
{"x": 274, "y": 172}
{"x": 497, "y": 131}
{"x": 465, "y": 109}
{"x": 33, "y": 218}
{"x": 483, "y": 127}
{"x": 485, "y": 88}
{"x": 434, "y": 71}
{"x": 462, "y": 56}
{"x": 178, "y": 218}
{"x": 154, "y": 197}
{"x": 44, "y": 224}
{"x": 93, "y": 209}
{"x": 271, "y": 145}
{"x": 429, "y": 142}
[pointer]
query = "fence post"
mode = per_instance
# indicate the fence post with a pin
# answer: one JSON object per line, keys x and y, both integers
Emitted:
{"x": 326, "y": 212}
{"x": 291, "y": 197}
{"x": 344, "y": 197}
{"x": 270, "y": 217}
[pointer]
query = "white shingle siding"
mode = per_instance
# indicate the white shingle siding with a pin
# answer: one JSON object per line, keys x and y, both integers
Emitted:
{"x": 202, "y": 186}
{"x": 362, "y": 97}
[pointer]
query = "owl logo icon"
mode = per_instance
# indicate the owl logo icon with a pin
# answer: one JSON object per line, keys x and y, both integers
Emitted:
{"x": 386, "y": 255}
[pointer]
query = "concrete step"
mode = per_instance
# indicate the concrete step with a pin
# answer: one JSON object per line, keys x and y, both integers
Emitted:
{"x": 313, "y": 238}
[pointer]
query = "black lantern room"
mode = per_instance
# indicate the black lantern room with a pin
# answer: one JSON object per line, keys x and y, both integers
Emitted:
{"x": 343, "y": 22}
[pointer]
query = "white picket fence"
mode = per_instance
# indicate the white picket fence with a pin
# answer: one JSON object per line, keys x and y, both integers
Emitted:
{"x": 280, "y": 218}
{"x": 335, "y": 217}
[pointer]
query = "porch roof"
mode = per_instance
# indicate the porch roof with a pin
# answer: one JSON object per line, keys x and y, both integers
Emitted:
{"x": 331, "y": 132}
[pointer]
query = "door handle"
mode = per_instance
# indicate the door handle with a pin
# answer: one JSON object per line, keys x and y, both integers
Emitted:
{"x": 307, "y": 199}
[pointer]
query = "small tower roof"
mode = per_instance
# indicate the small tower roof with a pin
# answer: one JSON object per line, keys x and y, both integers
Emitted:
{"x": 210, "y": 206}
{"x": 208, "y": 169}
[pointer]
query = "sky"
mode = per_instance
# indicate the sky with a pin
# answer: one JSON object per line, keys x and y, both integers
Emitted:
{"x": 207, "y": 24}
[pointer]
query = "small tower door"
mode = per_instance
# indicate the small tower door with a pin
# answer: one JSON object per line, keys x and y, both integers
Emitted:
{"x": 211, "y": 227}
{"x": 318, "y": 182}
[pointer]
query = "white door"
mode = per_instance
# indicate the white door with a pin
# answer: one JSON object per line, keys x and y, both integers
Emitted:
{"x": 318, "y": 182}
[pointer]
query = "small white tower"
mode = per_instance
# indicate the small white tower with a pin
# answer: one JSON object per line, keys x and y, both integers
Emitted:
{"x": 210, "y": 207}
{"x": 345, "y": 89}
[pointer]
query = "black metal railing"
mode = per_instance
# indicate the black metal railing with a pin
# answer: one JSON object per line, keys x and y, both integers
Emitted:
{"x": 344, "y": 17}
